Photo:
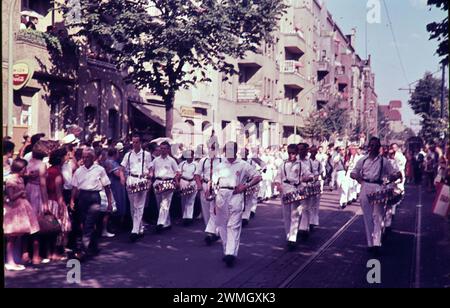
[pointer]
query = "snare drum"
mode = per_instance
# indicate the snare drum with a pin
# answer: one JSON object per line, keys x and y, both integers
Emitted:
{"x": 139, "y": 185}
{"x": 380, "y": 197}
{"x": 188, "y": 190}
{"x": 295, "y": 196}
{"x": 252, "y": 190}
{"x": 164, "y": 186}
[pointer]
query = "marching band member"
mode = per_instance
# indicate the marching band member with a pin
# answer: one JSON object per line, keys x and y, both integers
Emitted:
{"x": 400, "y": 161}
{"x": 203, "y": 176}
{"x": 307, "y": 176}
{"x": 251, "y": 200}
{"x": 339, "y": 168}
{"x": 317, "y": 171}
{"x": 287, "y": 181}
{"x": 352, "y": 193}
{"x": 369, "y": 172}
{"x": 137, "y": 164}
{"x": 322, "y": 159}
{"x": 187, "y": 170}
{"x": 231, "y": 178}
{"x": 166, "y": 172}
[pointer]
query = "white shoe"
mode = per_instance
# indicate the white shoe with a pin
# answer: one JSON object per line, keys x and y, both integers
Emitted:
{"x": 14, "y": 267}
{"x": 107, "y": 234}
{"x": 45, "y": 261}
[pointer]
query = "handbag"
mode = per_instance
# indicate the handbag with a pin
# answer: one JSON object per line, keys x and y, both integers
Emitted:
{"x": 48, "y": 224}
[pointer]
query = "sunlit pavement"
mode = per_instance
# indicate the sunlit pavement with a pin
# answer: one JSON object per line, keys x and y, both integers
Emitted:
{"x": 334, "y": 255}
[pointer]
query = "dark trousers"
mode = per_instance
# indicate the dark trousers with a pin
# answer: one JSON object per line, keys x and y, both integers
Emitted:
{"x": 88, "y": 209}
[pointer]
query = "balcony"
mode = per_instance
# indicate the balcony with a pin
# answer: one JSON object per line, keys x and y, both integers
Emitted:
{"x": 48, "y": 52}
{"x": 293, "y": 78}
{"x": 252, "y": 59}
{"x": 323, "y": 96}
{"x": 294, "y": 42}
{"x": 324, "y": 66}
{"x": 248, "y": 93}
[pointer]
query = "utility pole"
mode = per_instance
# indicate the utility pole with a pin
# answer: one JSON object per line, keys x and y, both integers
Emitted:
{"x": 10, "y": 102}
{"x": 443, "y": 91}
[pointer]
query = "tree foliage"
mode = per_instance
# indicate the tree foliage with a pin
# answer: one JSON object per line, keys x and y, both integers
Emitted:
{"x": 439, "y": 30}
{"x": 167, "y": 45}
{"x": 425, "y": 101}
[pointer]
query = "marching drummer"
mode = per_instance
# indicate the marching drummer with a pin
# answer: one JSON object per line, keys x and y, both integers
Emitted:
{"x": 137, "y": 164}
{"x": 306, "y": 177}
{"x": 203, "y": 176}
{"x": 317, "y": 171}
{"x": 287, "y": 180}
{"x": 369, "y": 172}
{"x": 233, "y": 177}
{"x": 187, "y": 181}
{"x": 251, "y": 198}
{"x": 166, "y": 172}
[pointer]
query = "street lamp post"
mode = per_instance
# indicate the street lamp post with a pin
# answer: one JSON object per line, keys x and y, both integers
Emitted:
{"x": 10, "y": 68}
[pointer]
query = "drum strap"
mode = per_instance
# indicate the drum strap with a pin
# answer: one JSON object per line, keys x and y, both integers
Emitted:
{"x": 299, "y": 171}
{"x": 128, "y": 162}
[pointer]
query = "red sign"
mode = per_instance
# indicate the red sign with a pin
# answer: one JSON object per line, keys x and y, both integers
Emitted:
{"x": 22, "y": 73}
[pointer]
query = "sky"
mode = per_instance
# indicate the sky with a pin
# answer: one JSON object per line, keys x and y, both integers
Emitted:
{"x": 409, "y": 19}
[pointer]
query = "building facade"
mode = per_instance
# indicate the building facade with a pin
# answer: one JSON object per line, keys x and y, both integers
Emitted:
{"x": 310, "y": 65}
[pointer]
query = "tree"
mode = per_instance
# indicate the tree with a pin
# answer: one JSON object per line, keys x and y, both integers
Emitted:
{"x": 336, "y": 120}
{"x": 439, "y": 30}
{"x": 314, "y": 128}
{"x": 167, "y": 45}
{"x": 425, "y": 102}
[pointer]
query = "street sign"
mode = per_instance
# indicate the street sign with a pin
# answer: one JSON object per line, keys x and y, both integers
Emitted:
{"x": 22, "y": 73}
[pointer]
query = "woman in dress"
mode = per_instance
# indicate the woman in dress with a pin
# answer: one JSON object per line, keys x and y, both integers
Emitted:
{"x": 56, "y": 203}
{"x": 18, "y": 218}
{"x": 8, "y": 151}
{"x": 36, "y": 189}
{"x": 117, "y": 177}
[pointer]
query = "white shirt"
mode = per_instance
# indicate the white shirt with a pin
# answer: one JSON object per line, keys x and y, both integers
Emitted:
{"x": 67, "y": 174}
{"x": 289, "y": 171}
{"x": 352, "y": 162}
{"x": 132, "y": 162}
{"x": 400, "y": 160}
{"x": 235, "y": 173}
{"x": 316, "y": 167}
{"x": 204, "y": 167}
{"x": 28, "y": 156}
{"x": 92, "y": 179}
{"x": 369, "y": 168}
{"x": 187, "y": 170}
{"x": 165, "y": 168}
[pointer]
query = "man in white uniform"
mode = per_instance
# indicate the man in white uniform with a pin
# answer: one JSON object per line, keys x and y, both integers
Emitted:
{"x": 400, "y": 160}
{"x": 203, "y": 176}
{"x": 251, "y": 200}
{"x": 164, "y": 168}
{"x": 352, "y": 191}
{"x": 187, "y": 170}
{"x": 317, "y": 171}
{"x": 339, "y": 168}
{"x": 307, "y": 176}
{"x": 231, "y": 178}
{"x": 137, "y": 164}
{"x": 287, "y": 181}
{"x": 322, "y": 159}
{"x": 369, "y": 172}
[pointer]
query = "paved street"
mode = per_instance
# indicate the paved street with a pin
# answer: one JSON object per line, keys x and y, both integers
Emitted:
{"x": 334, "y": 256}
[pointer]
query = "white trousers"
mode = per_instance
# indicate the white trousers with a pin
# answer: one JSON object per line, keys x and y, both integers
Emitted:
{"x": 229, "y": 220}
{"x": 305, "y": 211}
{"x": 187, "y": 201}
{"x": 251, "y": 202}
{"x": 373, "y": 215}
{"x": 342, "y": 184}
{"x": 209, "y": 217}
{"x": 164, "y": 200}
{"x": 315, "y": 204}
{"x": 137, "y": 204}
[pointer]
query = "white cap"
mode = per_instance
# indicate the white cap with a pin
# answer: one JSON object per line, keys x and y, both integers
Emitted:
{"x": 70, "y": 139}
{"x": 119, "y": 146}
